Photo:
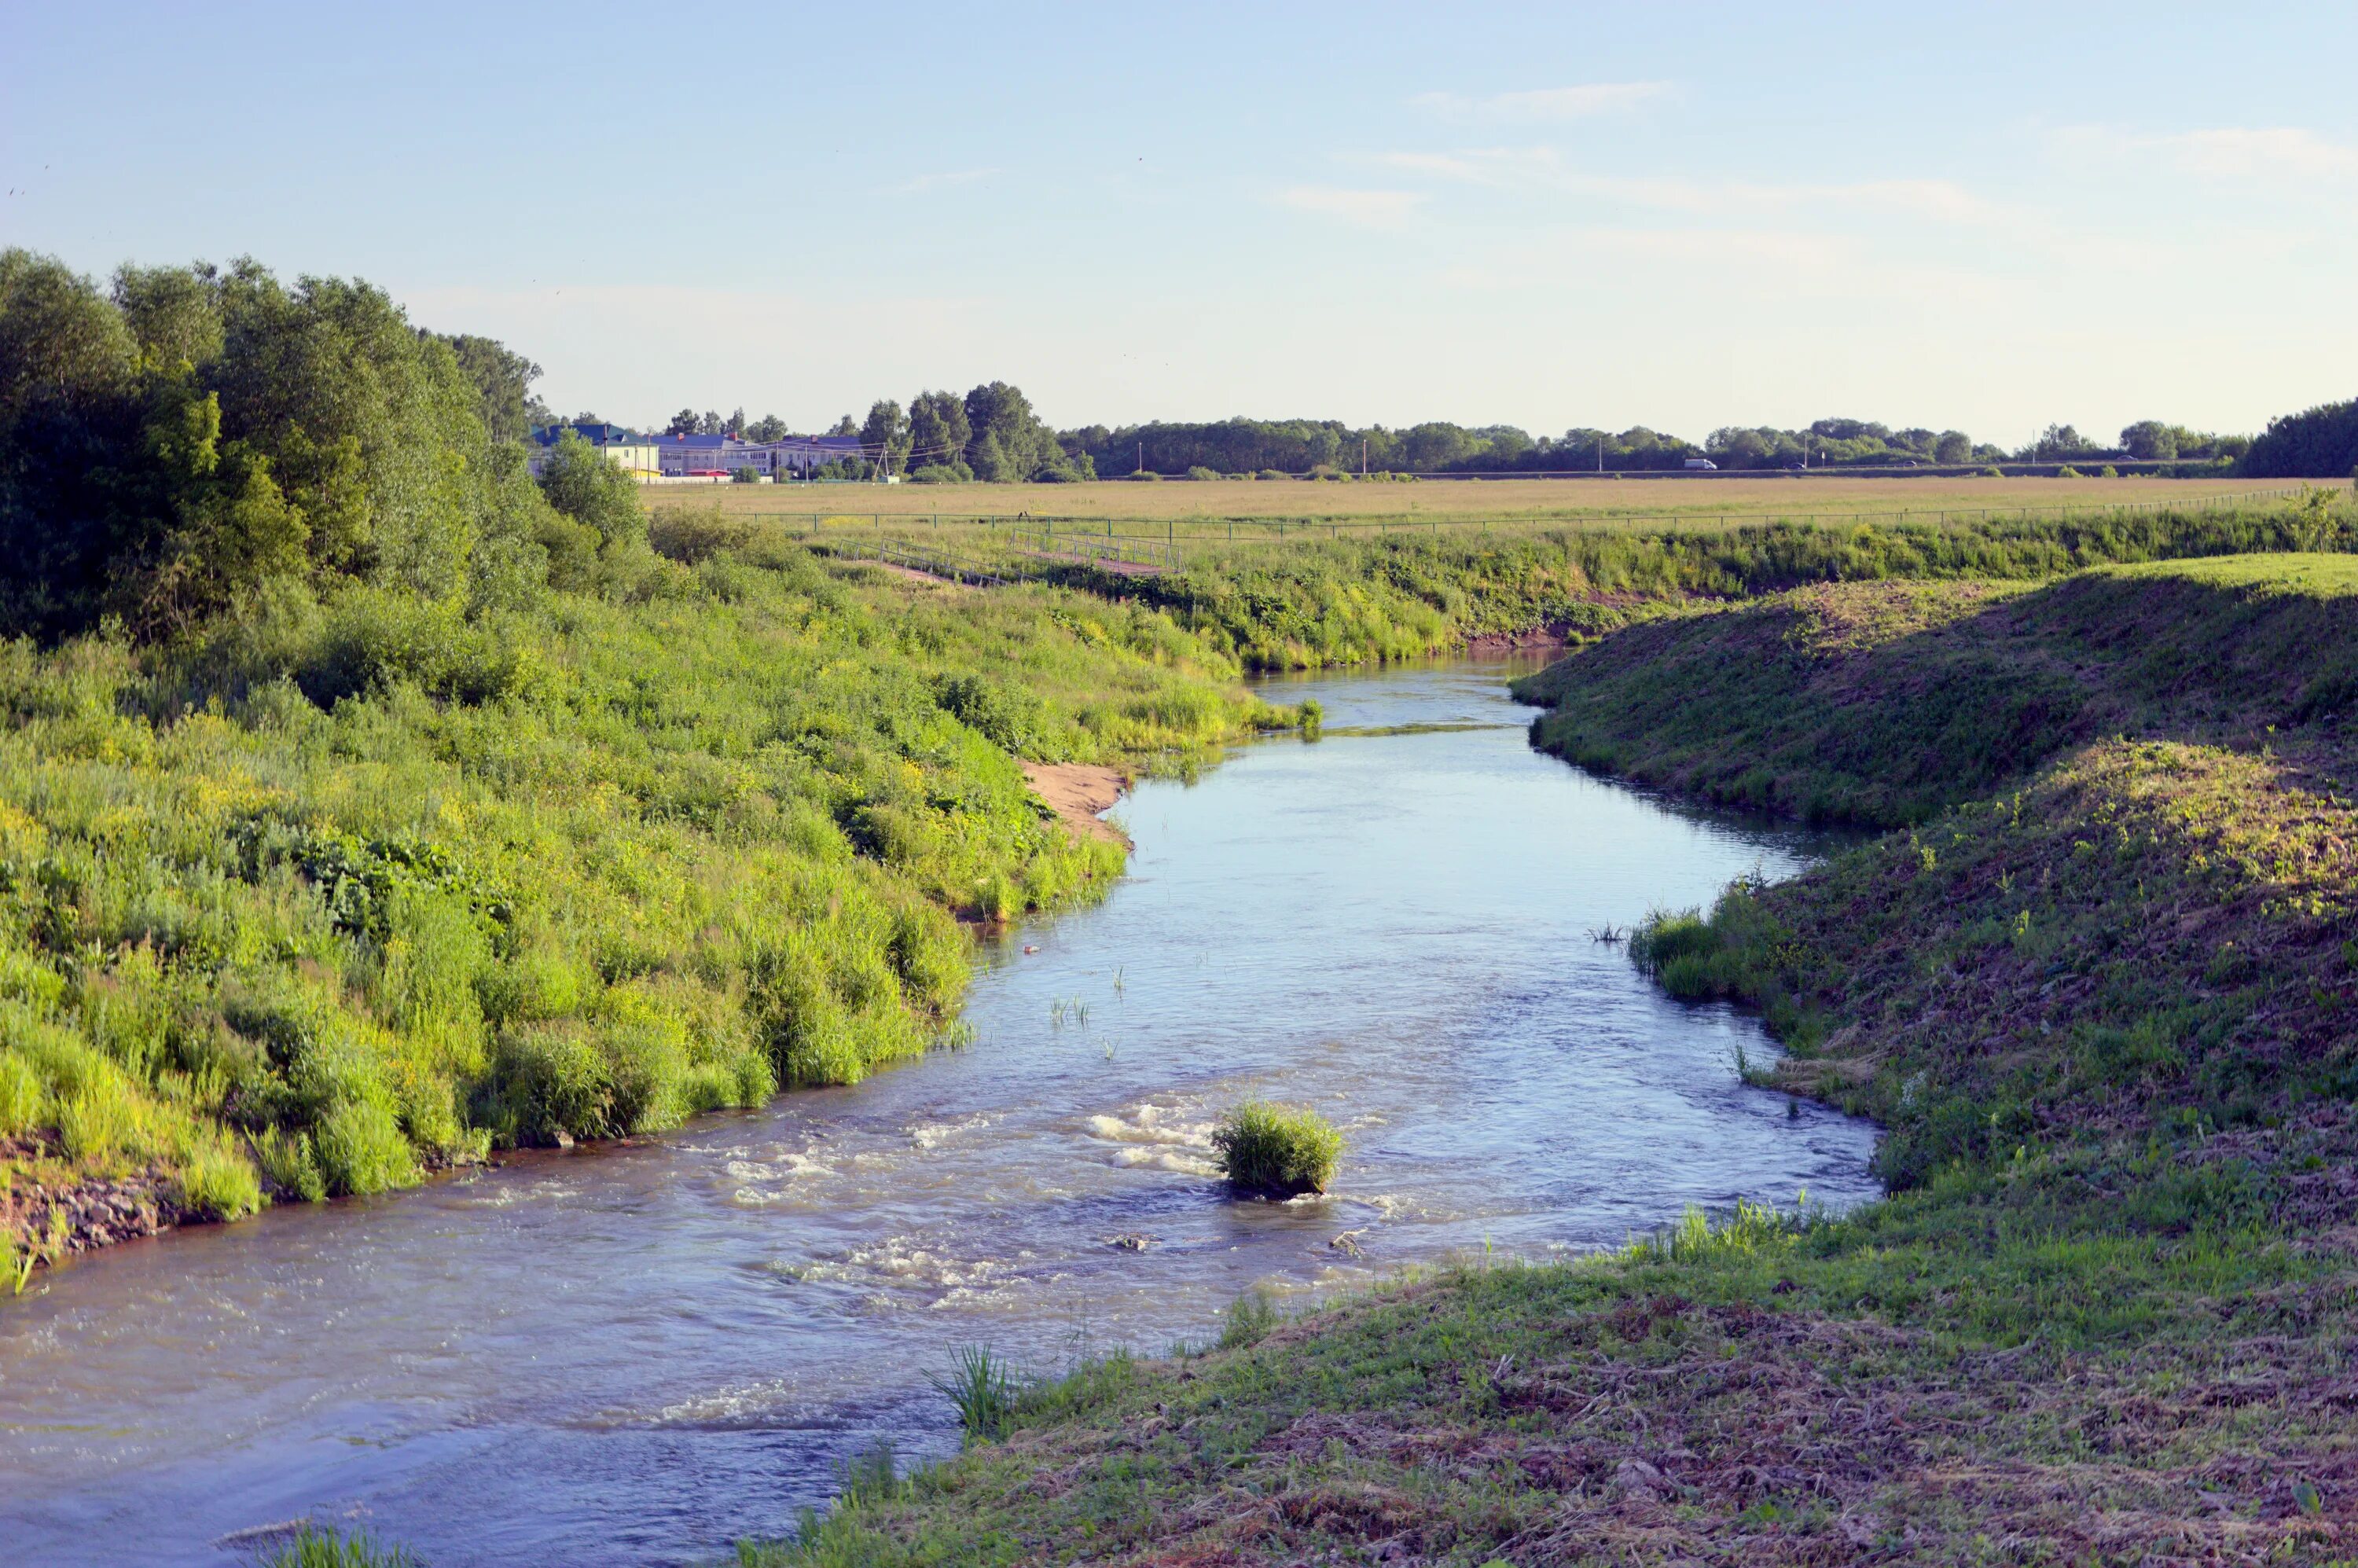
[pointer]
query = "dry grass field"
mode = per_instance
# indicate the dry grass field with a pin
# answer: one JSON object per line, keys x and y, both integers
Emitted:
{"x": 1552, "y": 500}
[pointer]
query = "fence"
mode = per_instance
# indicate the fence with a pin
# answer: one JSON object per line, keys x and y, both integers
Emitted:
{"x": 932, "y": 563}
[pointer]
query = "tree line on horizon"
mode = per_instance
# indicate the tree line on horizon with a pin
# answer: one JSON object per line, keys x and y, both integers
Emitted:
{"x": 135, "y": 417}
{"x": 992, "y": 434}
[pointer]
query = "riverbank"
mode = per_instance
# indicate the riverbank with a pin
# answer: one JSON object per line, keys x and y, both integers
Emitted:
{"x": 1079, "y": 793}
{"x": 2106, "y": 1019}
{"x": 345, "y": 889}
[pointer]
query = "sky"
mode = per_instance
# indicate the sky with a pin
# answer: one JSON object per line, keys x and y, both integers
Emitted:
{"x": 1988, "y": 218}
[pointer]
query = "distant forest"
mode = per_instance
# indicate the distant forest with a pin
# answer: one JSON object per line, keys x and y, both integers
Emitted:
{"x": 994, "y": 434}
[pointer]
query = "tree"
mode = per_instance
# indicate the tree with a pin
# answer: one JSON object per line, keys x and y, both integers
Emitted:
{"x": 2150, "y": 439}
{"x": 845, "y": 427}
{"x": 768, "y": 427}
{"x": 682, "y": 423}
{"x": 165, "y": 451}
{"x": 581, "y": 483}
{"x": 736, "y": 424}
{"x": 502, "y": 380}
{"x": 1954, "y": 447}
{"x": 1008, "y": 442}
{"x": 938, "y": 431}
{"x": 710, "y": 424}
{"x": 2319, "y": 443}
{"x": 885, "y": 436}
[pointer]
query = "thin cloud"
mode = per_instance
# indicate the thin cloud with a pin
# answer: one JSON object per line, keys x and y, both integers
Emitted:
{"x": 2227, "y": 152}
{"x": 1366, "y": 209}
{"x": 1545, "y": 104}
{"x": 950, "y": 177}
{"x": 1545, "y": 168}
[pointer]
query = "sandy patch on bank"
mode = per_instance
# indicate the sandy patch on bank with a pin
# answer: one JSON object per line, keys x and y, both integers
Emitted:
{"x": 1076, "y": 792}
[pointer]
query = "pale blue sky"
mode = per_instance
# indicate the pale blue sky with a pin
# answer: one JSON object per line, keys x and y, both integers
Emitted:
{"x": 1679, "y": 215}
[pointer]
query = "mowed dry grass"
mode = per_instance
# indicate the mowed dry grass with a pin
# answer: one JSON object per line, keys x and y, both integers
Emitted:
{"x": 1570, "y": 500}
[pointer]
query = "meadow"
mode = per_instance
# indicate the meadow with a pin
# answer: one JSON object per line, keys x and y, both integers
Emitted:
{"x": 1423, "y": 501}
{"x": 2099, "y": 989}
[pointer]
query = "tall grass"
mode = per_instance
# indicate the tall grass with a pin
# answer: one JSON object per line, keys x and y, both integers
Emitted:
{"x": 382, "y": 883}
{"x": 1275, "y": 1151}
{"x": 982, "y": 1388}
{"x": 314, "y": 1546}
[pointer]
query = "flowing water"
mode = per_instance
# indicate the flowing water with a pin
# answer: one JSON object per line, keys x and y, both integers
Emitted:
{"x": 637, "y": 1354}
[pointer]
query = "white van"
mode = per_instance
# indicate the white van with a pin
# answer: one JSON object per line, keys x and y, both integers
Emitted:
{"x": 1703, "y": 463}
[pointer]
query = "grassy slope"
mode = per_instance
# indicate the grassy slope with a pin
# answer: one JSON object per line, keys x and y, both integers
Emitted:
{"x": 1317, "y": 603}
{"x": 2109, "y": 1021}
{"x": 1887, "y": 705}
{"x": 363, "y": 888}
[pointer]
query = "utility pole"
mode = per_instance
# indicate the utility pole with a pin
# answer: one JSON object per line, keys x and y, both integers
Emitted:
{"x": 1363, "y": 457}
{"x": 1141, "y": 459}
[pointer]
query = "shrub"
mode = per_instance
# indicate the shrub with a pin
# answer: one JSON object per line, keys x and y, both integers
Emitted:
{"x": 1200, "y": 472}
{"x": 941, "y": 473}
{"x": 1273, "y": 473}
{"x": 549, "y": 1084}
{"x": 101, "y": 1119}
{"x": 1274, "y": 1151}
{"x": 690, "y": 538}
{"x": 1146, "y": 474}
{"x": 287, "y": 1161}
{"x": 218, "y": 1184}
{"x": 21, "y": 1099}
{"x": 361, "y": 1150}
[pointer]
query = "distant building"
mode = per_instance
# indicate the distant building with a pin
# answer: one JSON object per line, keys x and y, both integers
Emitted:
{"x": 786, "y": 458}
{"x": 683, "y": 457}
{"x": 623, "y": 448}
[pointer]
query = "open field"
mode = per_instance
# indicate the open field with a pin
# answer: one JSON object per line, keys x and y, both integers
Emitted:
{"x": 1560, "y": 500}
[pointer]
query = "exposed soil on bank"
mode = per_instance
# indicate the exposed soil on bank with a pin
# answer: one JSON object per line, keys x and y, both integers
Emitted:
{"x": 1076, "y": 792}
{"x": 47, "y": 1208}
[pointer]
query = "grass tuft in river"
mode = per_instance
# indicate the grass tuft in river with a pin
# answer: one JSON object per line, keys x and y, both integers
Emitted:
{"x": 1275, "y": 1151}
{"x": 315, "y": 1547}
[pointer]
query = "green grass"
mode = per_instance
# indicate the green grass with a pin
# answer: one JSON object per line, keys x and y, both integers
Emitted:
{"x": 312, "y": 1547}
{"x": 2110, "y": 1019}
{"x": 1275, "y": 1151}
{"x": 1886, "y": 703}
{"x": 345, "y": 889}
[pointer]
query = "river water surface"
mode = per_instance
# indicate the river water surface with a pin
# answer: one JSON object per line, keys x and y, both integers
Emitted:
{"x": 638, "y": 1354}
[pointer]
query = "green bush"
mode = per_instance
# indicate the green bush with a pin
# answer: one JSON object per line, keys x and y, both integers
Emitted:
{"x": 23, "y": 1104}
{"x": 291, "y": 1167}
{"x": 1200, "y": 472}
{"x": 218, "y": 1184}
{"x": 361, "y": 1150}
{"x": 1274, "y": 1151}
{"x": 692, "y": 536}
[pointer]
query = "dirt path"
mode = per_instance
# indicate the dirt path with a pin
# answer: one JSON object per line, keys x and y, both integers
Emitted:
{"x": 1076, "y": 792}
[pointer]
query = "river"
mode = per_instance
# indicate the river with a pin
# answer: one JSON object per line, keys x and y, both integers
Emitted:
{"x": 637, "y": 1354}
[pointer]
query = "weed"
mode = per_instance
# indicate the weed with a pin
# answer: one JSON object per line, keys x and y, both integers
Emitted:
{"x": 1249, "y": 1319}
{"x": 982, "y": 1388}
{"x": 313, "y": 1546}
{"x": 1274, "y": 1151}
